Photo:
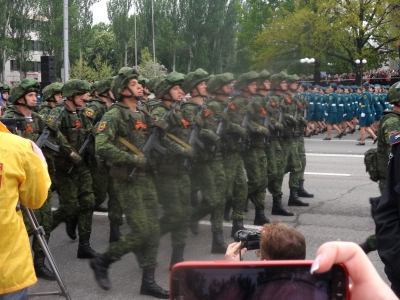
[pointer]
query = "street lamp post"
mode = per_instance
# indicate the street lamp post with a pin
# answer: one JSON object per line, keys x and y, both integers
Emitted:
{"x": 308, "y": 62}
{"x": 360, "y": 64}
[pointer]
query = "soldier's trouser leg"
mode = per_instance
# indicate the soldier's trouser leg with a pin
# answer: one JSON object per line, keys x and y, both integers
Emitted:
{"x": 99, "y": 184}
{"x": 139, "y": 204}
{"x": 275, "y": 168}
{"x": 371, "y": 241}
{"x": 44, "y": 218}
{"x": 73, "y": 190}
{"x": 302, "y": 155}
{"x": 292, "y": 161}
{"x": 382, "y": 184}
{"x": 114, "y": 207}
{"x": 236, "y": 183}
{"x": 174, "y": 195}
{"x": 210, "y": 177}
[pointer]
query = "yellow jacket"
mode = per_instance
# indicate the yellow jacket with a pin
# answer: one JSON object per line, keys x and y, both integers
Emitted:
{"x": 22, "y": 175}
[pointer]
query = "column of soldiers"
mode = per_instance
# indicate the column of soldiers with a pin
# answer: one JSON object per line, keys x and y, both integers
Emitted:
{"x": 195, "y": 157}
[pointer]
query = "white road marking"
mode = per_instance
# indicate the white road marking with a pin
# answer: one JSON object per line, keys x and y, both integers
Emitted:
{"x": 336, "y": 155}
{"x": 346, "y": 141}
{"x": 327, "y": 174}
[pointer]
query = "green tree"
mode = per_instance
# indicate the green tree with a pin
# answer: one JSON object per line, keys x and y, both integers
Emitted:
{"x": 147, "y": 66}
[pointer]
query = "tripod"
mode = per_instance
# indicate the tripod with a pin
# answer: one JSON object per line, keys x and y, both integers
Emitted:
{"x": 38, "y": 231}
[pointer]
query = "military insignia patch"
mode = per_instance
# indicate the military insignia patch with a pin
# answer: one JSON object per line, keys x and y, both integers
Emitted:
{"x": 101, "y": 126}
{"x": 89, "y": 112}
{"x": 207, "y": 112}
{"x": 273, "y": 103}
{"x": 50, "y": 118}
{"x": 394, "y": 138}
{"x": 365, "y": 96}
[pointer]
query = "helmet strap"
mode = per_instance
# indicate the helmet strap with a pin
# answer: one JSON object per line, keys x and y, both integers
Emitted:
{"x": 131, "y": 96}
{"x": 199, "y": 94}
{"x": 51, "y": 99}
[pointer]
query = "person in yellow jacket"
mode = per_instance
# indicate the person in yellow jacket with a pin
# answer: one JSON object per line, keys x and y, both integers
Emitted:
{"x": 23, "y": 177}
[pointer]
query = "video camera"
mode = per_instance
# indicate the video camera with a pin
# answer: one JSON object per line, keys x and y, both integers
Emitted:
{"x": 14, "y": 125}
{"x": 249, "y": 239}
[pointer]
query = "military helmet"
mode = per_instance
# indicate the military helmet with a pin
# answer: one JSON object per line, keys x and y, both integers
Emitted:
{"x": 121, "y": 81}
{"x": 152, "y": 83}
{"x": 218, "y": 81}
{"x": 262, "y": 76}
{"x": 166, "y": 83}
{"x": 394, "y": 93}
{"x": 75, "y": 87}
{"x": 143, "y": 81}
{"x": 276, "y": 79}
{"x": 245, "y": 79}
{"x": 292, "y": 78}
{"x": 193, "y": 79}
{"x": 93, "y": 87}
{"x": 52, "y": 89}
{"x": 6, "y": 88}
{"x": 26, "y": 86}
{"x": 1, "y": 87}
{"x": 104, "y": 85}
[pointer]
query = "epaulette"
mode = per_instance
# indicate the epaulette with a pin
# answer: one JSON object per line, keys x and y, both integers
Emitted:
{"x": 394, "y": 138}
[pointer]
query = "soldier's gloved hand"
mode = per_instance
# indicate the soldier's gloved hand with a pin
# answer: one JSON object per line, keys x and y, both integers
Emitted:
{"x": 263, "y": 131}
{"x": 93, "y": 131}
{"x": 362, "y": 115}
{"x": 279, "y": 126}
{"x": 249, "y": 109}
{"x": 189, "y": 153}
{"x": 242, "y": 132}
{"x": 52, "y": 125}
{"x": 326, "y": 114}
{"x": 75, "y": 158}
{"x": 303, "y": 121}
{"x": 224, "y": 116}
{"x": 138, "y": 161}
{"x": 198, "y": 120}
{"x": 163, "y": 125}
{"x": 344, "y": 115}
{"x": 293, "y": 121}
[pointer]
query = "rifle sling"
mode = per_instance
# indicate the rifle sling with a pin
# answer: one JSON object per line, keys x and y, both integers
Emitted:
{"x": 133, "y": 148}
{"x": 178, "y": 140}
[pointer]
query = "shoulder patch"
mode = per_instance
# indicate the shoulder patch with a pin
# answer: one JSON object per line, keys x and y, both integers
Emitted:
{"x": 330, "y": 97}
{"x": 365, "y": 96}
{"x": 394, "y": 138}
{"x": 89, "y": 112}
{"x": 101, "y": 126}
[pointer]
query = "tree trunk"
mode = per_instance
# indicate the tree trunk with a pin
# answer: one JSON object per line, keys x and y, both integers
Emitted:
{"x": 174, "y": 60}
{"x": 126, "y": 55}
{"x": 317, "y": 73}
{"x": 190, "y": 57}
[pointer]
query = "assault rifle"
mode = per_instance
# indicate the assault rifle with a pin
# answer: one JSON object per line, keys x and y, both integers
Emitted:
{"x": 296, "y": 115}
{"x": 43, "y": 138}
{"x": 85, "y": 148}
{"x": 153, "y": 141}
{"x": 219, "y": 129}
{"x": 246, "y": 120}
{"x": 193, "y": 139}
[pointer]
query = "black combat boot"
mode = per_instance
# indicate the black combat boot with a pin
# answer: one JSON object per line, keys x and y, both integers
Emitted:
{"x": 115, "y": 234}
{"x": 374, "y": 204}
{"x": 218, "y": 244}
{"x": 194, "y": 227}
{"x": 84, "y": 249}
{"x": 70, "y": 226}
{"x": 260, "y": 218}
{"x": 100, "y": 265}
{"x": 177, "y": 255}
{"x": 294, "y": 199}
{"x": 194, "y": 199}
{"x": 278, "y": 209}
{"x": 236, "y": 226}
{"x": 40, "y": 268}
{"x": 250, "y": 197}
{"x": 100, "y": 208}
{"x": 150, "y": 287}
{"x": 302, "y": 192}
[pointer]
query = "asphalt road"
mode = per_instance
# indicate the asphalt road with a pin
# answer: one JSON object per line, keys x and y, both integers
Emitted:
{"x": 335, "y": 173}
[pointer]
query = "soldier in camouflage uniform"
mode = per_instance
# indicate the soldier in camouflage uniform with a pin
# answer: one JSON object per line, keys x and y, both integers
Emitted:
{"x": 173, "y": 182}
{"x": 24, "y": 96}
{"x": 208, "y": 171}
{"x": 298, "y": 133}
{"x": 389, "y": 123}
{"x": 93, "y": 91}
{"x": 122, "y": 131}
{"x": 292, "y": 161}
{"x": 75, "y": 189}
{"x": 4, "y": 95}
{"x": 274, "y": 151}
{"x": 51, "y": 96}
{"x": 151, "y": 84}
{"x": 220, "y": 86}
{"x": 247, "y": 104}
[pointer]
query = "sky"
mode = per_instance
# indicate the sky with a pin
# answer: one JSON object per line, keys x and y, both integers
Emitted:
{"x": 100, "y": 12}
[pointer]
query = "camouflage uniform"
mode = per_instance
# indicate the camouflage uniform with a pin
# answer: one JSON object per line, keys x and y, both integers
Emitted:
{"x": 75, "y": 189}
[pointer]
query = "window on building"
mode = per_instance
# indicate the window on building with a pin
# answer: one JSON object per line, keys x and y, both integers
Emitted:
{"x": 34, "y": 66}
{"x": 14, "y": 65}
{"x": 36, "y": 46}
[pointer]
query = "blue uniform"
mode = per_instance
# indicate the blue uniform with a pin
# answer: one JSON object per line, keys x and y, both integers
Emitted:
{"x": 365, "y": 111}
{"x": 348, "y": 109}
{"x": 331, "y": 109}
{"x": 340, "y": 108}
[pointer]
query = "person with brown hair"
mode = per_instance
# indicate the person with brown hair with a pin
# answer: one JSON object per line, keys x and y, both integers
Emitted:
{"x": 278, "y": 242}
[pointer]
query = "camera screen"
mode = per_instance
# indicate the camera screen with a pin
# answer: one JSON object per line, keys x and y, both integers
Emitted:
{"x": 257, "y": 282}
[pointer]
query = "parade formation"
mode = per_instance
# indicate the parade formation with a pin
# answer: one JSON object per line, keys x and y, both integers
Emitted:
{"x": 205, "y": 145}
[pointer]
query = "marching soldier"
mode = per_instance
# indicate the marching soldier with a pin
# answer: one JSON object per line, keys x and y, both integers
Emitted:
{"x": 123, "y": 130}
{"x": 51, "y": 96}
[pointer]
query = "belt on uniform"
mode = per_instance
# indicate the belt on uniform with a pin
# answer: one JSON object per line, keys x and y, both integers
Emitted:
{"x": 333, "y": 104}
{"x": 318, "y": 102}
{"x": 340, "y": 104}
{"x": 348, "y": 104}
